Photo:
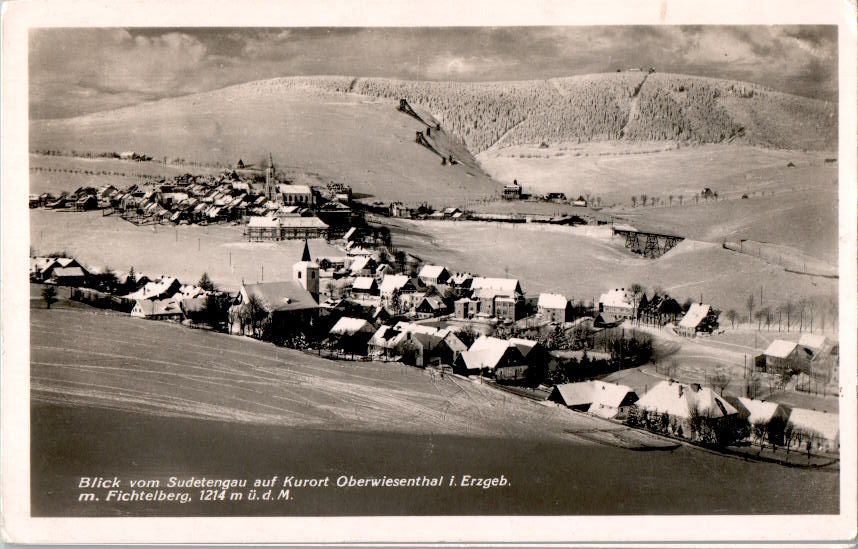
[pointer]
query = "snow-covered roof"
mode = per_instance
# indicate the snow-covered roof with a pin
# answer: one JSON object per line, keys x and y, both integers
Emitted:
{"x": 392, "y": 282}
{"x": 363, "y": 283}
{"x": 618, "y": 297}
{"x": 760, "y": 410}
{"x": 149, "y": 307}
{"x": 695, "y": 315}
{"x": 68, "y": 271}
{"x": 485, "y": 352}
{"x": 348, "y": 326}
{"x": 524, "y": 346}
{"x": 431, "y": 271}
{"x": 552, "y": 301}
{"x": 824, "y": 424}
{"x": 294, "y": 189}
{"x": 258, "y": 221}
{"x": 386, "y": 337}
{"x": 303, "y": 222}
{"x": 414, "y": 328}
{"x": 780, "y": 348}
{"x": 678, "y": 399}
{"x": 507, "y": 285}
{"x": 280, "y": 296}
{"x": 360, "y": 264}
{"x": 41, "y": 263}
{"x": 814, "y": 342}
{"x": 594, "y": 392}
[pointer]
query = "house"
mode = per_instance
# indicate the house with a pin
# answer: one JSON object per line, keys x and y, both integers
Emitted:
{"x": 595, "y": 397}
{"x": 553, "y": 307}
{"x": 488, "y": 354}
{"x": 382, "y": 270}
{"x": 783, "y": 355}
{"x": 453, "y": 346}
{"x": 696, "y": 319}
{"x": 162, "y": 288}
{"x": 266, "y": 228}
{"x": 363, "y": 266}
{"x": 813, "y": 344}
{"x": 680, "y": 402}
{"x": 385, "y": 342}
{"x": 263, "y": 228}
{"x": 771, "y": 414}
{"x": 512, "y": 191}
{"x": 659, "y": 309}
{"x": 41, "y": 268}
{"x": 499, "y": 297}
{"x": 433, "y": 275}
{"x": 68, "y": 276}
{"x": 191, "y": 305}
{"x": 336, "y": 214}
{"x": 157, "y": 309}
{"x": 617, "y": 303}
{"x": 669, "y": 310}
{"x": 430, "y": 306}
{"x": 461, "y": 281}
{"x": 352, "y": 334}
{"x": 532, "y": 353}
{"x": 364, "y": 285}
{"x": 86, "y": 203}
{"x": 823, "y": 428}
{"x": 303, "y": 227}
{"x": 466, "y": 307}
{"x": 397, "y": 209}
{"x": 396, "y": 285}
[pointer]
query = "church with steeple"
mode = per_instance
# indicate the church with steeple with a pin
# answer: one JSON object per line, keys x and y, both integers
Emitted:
{"x": 306, "y": 273}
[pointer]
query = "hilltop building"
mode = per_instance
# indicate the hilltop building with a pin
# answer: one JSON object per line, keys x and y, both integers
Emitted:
{"x": 512, "y": 191}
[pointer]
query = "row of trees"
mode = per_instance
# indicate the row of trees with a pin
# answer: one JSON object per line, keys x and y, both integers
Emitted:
{"x": 805, "y": 314}
{"x": 700, "y": 427}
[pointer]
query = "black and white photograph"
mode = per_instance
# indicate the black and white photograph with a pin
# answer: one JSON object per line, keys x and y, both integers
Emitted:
{"x": 463, "y": 272}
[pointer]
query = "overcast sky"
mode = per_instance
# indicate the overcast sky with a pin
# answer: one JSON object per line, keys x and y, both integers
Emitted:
{"x": 76, "y": 71}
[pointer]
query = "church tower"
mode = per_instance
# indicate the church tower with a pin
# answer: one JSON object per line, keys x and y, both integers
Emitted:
{"x": 270, "y": 183}
{"x": 306, "y": 273}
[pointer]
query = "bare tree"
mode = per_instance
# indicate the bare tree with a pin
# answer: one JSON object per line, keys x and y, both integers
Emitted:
{"x": 720, "y": 381}
{"x": 634, "y": 201}
{"x": 750, "y": 302}
{"x": 256, "y": 313}
{"x": 789, "y": 311}
{"x": 791, "y": 436}
{"x": 760, "y": 315}
{"x": 800, "y": 307}
{"x": 732, "y": 316}
{"x": 637, "y": 292}
{"x": 759, "y": 432}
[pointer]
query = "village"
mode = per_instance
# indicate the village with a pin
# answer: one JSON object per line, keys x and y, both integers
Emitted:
{"x": 374, "y": 302}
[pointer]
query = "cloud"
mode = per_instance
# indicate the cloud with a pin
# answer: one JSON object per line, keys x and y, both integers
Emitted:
{"x": 74, "y": 71}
